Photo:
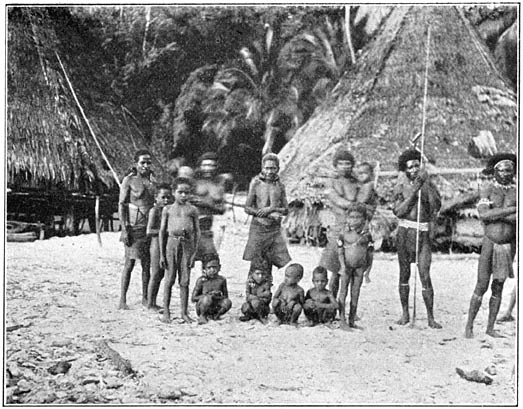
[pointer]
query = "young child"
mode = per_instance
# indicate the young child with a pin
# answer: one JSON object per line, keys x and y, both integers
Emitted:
{"x": 353, "y": 246}
{"x": 258, "y": 295}
{"x": 210, "y": 291}
{"x": 162, "y": 198}
{"x": 320, "y": 305}
{"x": 179, "y": 236}
{"x": 289, "y": 297}
{"x": 367, "y": 195}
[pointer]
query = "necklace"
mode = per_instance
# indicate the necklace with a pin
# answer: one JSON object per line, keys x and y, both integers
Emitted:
{"x": 504, "y": 187}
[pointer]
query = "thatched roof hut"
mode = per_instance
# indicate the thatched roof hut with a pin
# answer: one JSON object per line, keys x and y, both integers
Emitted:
{"x": 377, "y": 107}
{"x": 48, "y": 142}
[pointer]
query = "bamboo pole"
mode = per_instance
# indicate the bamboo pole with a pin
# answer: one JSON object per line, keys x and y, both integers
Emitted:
{"x": 87, "y": 120}
{"x": 97, "y": 219}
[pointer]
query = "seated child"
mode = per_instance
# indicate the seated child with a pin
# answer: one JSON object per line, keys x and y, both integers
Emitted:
{"x": 288, "y": 300}
{"x": 162, "y": 199}
{"x": 210, "y": 291}
{"x": 367, "y": 195}
{"x": 320, "y": 305}
{"x": 353, "y": 246}
{"x": 258, "y": 296}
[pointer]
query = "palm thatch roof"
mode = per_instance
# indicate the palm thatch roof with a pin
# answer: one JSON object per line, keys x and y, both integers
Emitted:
{"x": 48, "y": 142}
{"x": 377, "y": 108}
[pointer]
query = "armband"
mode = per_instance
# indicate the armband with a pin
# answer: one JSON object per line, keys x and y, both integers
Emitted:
{"x": 484, "y": 201}
{"x": 340, "y": 243}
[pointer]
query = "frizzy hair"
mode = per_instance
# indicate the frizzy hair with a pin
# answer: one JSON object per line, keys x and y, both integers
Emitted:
{"x": 141, "y": 152}
{"x": 182, "y": 181}
{"x": 408, "y": 155}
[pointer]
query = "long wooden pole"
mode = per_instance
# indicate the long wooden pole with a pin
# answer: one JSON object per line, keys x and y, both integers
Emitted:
{"x": 423, "y": 122}
{"x": 115, "y": 176}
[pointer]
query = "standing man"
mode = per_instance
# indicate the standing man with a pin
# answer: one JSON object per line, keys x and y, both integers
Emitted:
{"x": 342, "y": 192}
{"x": 209, "y": 194}
{"x": 267, "y": 203}
{"x": 136, "y": 199}
{"x": 417, "y": 183}
{"x": 497, "y": 209}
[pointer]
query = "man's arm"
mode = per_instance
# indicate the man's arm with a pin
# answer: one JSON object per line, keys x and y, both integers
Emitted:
{"x": 250, "y": 202}
{"x": 488, "y": 214}
{"x": 123, "y": 210}
{"x": 434, "y": 198}
{"x": 284, "y": 209}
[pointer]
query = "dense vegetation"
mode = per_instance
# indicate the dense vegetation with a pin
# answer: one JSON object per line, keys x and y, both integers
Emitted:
{"x": 239, "y": 80}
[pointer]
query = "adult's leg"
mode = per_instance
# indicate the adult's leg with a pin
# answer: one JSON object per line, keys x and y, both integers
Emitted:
{"x": 404, "y": 264}
{"x": 424, "y": 261}
{"x": 507, "y": 316}
{"x": 146, "y": 277}
{"x": 484, "y": 271}
{"x": 126, "y": 279}
{"x": 494, "y": 304}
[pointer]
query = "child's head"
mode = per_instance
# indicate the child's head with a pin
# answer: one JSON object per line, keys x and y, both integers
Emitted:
{"x": 365, "y": 172}
{"x": 356, "y": 215}
{"x": 319, "y": 278}
{"x": 259, "y": 276}
{"x": 293, "y": 273}
{"x": 182, "y": 189}
{"x": 260, "y": 266}
{"x": 211, "y": 264}
{"x": 163, "y": 194}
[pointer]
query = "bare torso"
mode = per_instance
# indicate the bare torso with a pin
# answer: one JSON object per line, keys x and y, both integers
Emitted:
{"x": 500, "y": 230}
{"x": 341, "y": 193}
{"x": 290, "y": 294}
{"x": 181, "y": 219}
{"x": 136, "y": 195}
{"x": 355, "y": 248}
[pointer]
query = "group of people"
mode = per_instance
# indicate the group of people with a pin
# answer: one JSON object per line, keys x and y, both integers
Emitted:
{"x": 169, "y": 236}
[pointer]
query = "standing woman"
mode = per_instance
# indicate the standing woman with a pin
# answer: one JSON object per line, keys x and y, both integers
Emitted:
{"x": 136, "y": 199}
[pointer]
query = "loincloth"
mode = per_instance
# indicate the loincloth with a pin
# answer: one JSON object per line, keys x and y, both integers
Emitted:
{"x": 206, "y": 244}
{"x": 266, "y": 241}
{"x": 139, "y": 248}
{"x": 502, "y": 262}
{"x": 178, "y": 253}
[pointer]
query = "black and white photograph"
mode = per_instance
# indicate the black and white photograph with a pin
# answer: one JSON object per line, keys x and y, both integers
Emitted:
{"x": 261, "y": 204}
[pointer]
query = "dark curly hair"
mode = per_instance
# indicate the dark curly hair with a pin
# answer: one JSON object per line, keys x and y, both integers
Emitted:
{"x": 498, "y": 157}
{"x": 410, "y": 154}
{"x": 207, "y": 258}
{"x": 342, "y": 154}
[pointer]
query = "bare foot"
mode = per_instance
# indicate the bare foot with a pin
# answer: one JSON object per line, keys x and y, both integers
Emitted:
{"x": 166, "y": 319}
{"x": 154, "y": 307}
{"x": 403, "y": 320}
{"x": 356, "y": 318}
{"x": 186, "y": 318}
{"x": 123, "y": 306}
{"x": 506, "y": 318}
{"x": 434, "y": 324}
{"x": 469, "y": 333}
{"x": 203, "y": 320}
{"x": 294, "y": 324}
{"x": 263, "y": 320}
{"x": 310, "y": 324}
{"x": 367, "y": 280}
{"x": 494, "y": 334}
{"x": 244, "y": 318}
{"x": 352, "y": 325}
{"x": 144, "y": 302}
{"x": 344, "y": 326}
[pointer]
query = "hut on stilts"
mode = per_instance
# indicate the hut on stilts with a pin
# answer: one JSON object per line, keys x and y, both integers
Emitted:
{"x": 376, "y": 110}
{"x": 54, "y": 168}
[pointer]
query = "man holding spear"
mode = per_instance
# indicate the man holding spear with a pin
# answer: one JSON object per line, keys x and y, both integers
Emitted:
{"x": 416, "y": 202}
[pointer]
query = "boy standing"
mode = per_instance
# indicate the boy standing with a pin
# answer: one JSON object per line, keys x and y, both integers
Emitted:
{"x": 406, "y": 209}
{"x": 163, "y": 198}
{"x": 320, "y": 305}
{"x": 179, "y": 236}
{"x": 353, "y": 246}
{"x": 267, "y": 203}
{"x": 289, "y": 297}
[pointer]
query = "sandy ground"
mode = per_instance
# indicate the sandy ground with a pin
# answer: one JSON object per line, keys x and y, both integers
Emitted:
{"x": 64, "y": 291}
